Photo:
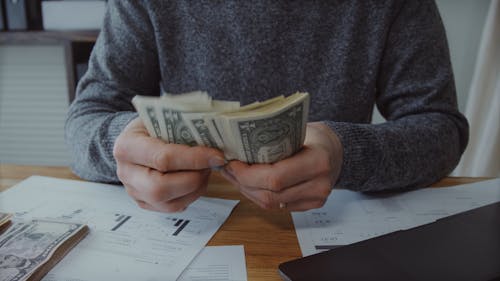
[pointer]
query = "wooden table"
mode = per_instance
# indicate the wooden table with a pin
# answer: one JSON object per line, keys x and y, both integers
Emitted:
{"x": 268, "y": 236}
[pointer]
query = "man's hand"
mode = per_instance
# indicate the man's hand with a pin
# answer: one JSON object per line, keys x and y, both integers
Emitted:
{"x": 300, "y": 182}
{"x": 159, "y": 176}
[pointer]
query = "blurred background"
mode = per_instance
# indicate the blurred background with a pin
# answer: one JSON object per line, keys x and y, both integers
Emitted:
{"x": 39, "y": 71}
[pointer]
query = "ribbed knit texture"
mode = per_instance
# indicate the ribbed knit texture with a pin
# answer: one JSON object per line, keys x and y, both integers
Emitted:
{"x": 348, "y": 55}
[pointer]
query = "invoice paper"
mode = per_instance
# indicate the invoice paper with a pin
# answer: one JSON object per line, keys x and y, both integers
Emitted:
{"x": 125, "y": 242}
{"x": 348, "y": 217}
{"x": 221, "y": 263}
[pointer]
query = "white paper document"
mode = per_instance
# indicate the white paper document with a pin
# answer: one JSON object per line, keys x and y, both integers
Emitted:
{"x": 125, "y": 242}
{"x": 221, "y": 263}
{"x": 348, "y": 217}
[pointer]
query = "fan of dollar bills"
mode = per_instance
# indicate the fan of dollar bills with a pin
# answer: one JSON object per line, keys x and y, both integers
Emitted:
{"x": 260, "y": 132}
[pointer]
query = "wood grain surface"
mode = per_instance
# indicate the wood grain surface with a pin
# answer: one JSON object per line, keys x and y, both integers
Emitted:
{"x": 268, "y": 236}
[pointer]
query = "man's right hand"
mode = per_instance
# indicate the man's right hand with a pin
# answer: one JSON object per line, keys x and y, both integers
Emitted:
{"x": 159, "y": 176}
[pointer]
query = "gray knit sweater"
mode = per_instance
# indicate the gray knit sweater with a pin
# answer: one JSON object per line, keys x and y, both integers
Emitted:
{"x": 349, "y": 55}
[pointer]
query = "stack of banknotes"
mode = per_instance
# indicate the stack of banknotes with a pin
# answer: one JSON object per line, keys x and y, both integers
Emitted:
{"x": 4, "y": 220}
{"x": 28, "y": 250}
{"x": 260, "y": 132}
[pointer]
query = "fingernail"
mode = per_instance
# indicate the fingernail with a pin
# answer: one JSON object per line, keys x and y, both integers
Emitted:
{"x": 216, "y": 162}
{"x": 217, "y": 169}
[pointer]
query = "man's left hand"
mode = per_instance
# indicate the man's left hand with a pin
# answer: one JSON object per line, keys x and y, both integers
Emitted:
{"x": 301, "y": 182}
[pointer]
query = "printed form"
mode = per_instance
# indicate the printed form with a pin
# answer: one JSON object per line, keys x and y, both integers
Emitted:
{"x": 219, "y": 263}
{"x": 348, "y": 217}
{"x": 125, "y": 242}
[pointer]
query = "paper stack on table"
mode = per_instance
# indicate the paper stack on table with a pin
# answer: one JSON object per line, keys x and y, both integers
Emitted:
{"x": 125, "y": 242}
{"x": 261, "y": 132}
{"x": 217, "y": 263}
{"x": 348, "y": 217}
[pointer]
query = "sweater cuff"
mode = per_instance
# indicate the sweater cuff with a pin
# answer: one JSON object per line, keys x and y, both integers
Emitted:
{"x": 362, "y": 154}
{"x": 115, "y": 128}
{"x": 95, "y": 161}
{"x": 119, "y": 122}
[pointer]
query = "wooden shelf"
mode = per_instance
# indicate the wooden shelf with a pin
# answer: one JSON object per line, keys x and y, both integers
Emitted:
{"x": 48, "y": 37}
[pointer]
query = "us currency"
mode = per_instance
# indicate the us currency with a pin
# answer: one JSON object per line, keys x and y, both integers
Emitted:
{"x": 4, "y": 219}
{"x": 146, "y": 107}
{"x": 167, "y": 117}
{"x": 204, "y": 129}
{"x": 27, "y": 249}
{"x": 260, "y": 132}
{"x": 269, "y": 133}
{"x": 176, "y": 127}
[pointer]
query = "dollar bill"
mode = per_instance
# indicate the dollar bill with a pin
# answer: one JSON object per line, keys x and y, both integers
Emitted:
{"x": 177, "y": 128}
{"x": 201, "y": 102}
{"x": 147, "y": 112}
{"x": 203, "y": 129}
{"x": 270, "y": 134}
{"x": 260, "y": 132}
{"x": 153, "y": 119}
{"x": 4, "y": 221}
{"x": 29, "y": 249}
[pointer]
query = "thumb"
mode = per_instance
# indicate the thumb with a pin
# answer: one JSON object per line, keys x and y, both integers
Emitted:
{"x": 195, "y": 158}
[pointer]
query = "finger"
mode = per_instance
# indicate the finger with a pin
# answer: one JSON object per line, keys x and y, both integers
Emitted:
{"x": 306, "y": 164}
{"x": 180, "y": 204}
{"x": 156, "y": 154}
{"x": 315, "y": 190}
{"x": 152, "y": 186}
{"x": 304, "y": 205}
{"x": 144, "y": 205}
{"x": 173, "y": 206}
{"x": 176, "y": 205}
{"x": 257, "y": 200}
{"x": 132, "y": 192}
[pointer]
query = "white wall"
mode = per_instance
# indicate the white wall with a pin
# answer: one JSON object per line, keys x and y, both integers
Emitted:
{"x": 464, "y": 21}
{"x": 33, "y": 105}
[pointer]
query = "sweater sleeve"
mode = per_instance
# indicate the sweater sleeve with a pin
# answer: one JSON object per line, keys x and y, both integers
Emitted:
{"x": 102, "y": 106}
{"x": 424, "y": 135}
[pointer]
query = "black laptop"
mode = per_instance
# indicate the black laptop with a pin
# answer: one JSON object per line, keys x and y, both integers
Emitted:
{"x": 465, "y": 246}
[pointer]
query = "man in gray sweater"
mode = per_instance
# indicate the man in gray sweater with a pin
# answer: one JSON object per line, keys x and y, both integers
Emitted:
{"x": 349, "y": 56}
